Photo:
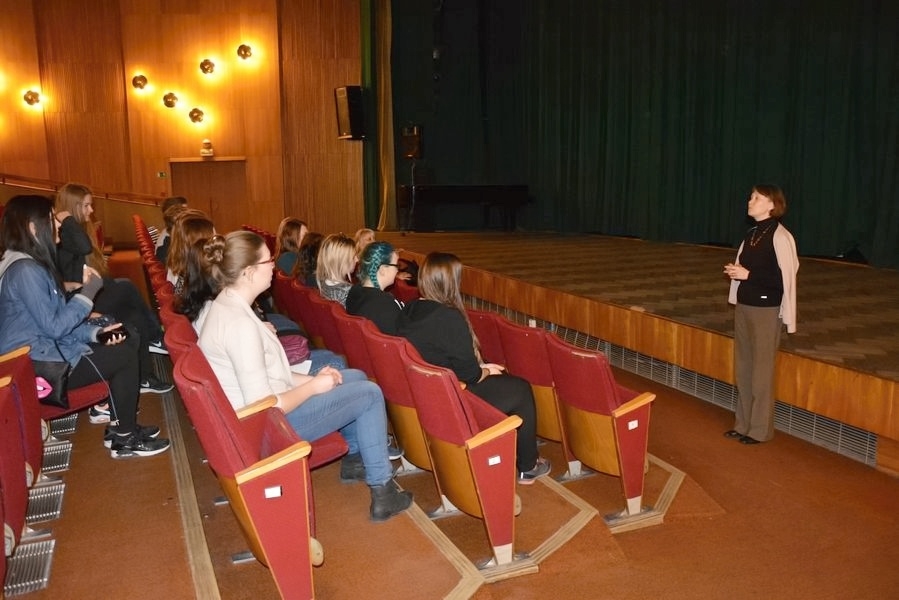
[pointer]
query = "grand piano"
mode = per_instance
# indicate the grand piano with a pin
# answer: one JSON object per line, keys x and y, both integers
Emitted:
{"x": 427, "y": 207}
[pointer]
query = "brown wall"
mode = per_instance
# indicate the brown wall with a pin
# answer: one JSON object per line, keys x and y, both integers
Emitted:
{"x": 277, "y": 113}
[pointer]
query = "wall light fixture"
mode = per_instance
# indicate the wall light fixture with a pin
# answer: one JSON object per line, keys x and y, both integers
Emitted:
{"x": 207, "y": 66}
{"x": 244, "y": 51}
{"x": 139, "y": 81}
{"x": 31, "y": 98}
{"x": 170, "y": 100}
{"x": 196, "y": 115}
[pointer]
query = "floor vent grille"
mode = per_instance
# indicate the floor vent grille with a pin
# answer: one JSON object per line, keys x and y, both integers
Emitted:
{"x": 45, "y": 502}
{"x": 846, "y": 440}
{"x": 28, "y": 569}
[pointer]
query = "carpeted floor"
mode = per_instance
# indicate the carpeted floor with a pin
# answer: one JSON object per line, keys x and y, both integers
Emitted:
{"x": 779, "y": 520}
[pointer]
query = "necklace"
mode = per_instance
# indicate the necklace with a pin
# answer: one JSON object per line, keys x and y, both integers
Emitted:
{"x": 755, "y": 239}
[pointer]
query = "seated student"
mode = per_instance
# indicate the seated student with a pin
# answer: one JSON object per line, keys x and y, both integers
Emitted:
{"x": 200, "y": 288}
{"x": 34, "y": 312}
{"x": 291, "y": 232}
{"x": 437, "y": 325}
{"x": 363, "y": 238}
{"x": 336, "y": 263}
{"x": 189, "y": 226}
{"x": 79, "y": 248}
{"x": 307, "y": 260}
{"x": 377, "y": 271}
{"x": 171, "y": 207}
{"x": 251, "y": 365}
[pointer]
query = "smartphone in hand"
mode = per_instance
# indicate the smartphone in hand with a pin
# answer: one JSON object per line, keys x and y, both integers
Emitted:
{"x": 105, "y": 336}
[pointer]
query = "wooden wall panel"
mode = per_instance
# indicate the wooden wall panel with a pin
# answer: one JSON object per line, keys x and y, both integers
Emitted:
{"x": 320, "y": 45}
{"x": 81, "y": 73}
{"x": 23, "y": 141}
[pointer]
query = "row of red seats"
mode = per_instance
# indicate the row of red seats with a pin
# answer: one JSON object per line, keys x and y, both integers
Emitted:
{"x": 262, "y": 466}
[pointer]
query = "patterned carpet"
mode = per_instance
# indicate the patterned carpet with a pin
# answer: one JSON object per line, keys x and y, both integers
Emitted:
{"x": 848, "y": 314}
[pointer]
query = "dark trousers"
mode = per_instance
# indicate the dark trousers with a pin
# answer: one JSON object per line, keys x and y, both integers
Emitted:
{"x": 756, "y": 338}
{"x": 513, "y": 396}
{"x": 118, "y": 365}
{"x": 120, "y": 299}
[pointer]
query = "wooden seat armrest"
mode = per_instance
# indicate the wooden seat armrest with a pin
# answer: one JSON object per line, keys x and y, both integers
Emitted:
{"x": 508, "y": 424}
{"x": 255, "y": 407}
{"x": 631, "y": 405}
{"x": 296, "y": 452}
{"x": 15, "y": 353}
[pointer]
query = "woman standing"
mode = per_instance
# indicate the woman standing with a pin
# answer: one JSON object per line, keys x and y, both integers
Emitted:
{"x": 438, "y": 327}
{"x": 377, "y": 272}
{"x": 251, "y": 364}
{"x": 34, "y": 312}
{"x": 763, "y": 287}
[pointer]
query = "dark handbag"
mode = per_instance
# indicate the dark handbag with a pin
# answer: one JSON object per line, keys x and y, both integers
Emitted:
{"x": 52, "y": 381}
{"x": 296, "y": 347}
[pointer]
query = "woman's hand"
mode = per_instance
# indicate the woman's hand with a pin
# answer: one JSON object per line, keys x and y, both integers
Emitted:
{"x": 115, "y": 337}
{"x": 405, "y": 276}
{"x": 493, "y": 368}
{"x": 326, "y": 380}
{"x": 89, "y": 272}
{"x": 737, "y": 272}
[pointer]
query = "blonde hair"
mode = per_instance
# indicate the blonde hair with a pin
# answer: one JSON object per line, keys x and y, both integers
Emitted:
{"x": 70, "y": 197}
{"x": 228, "y": 256}
{"x": 363, "y": 238}
{"x": 336, "y": 259}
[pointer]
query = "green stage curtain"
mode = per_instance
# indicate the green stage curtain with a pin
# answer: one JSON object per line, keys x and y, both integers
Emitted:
{"x": 654, "y": 118}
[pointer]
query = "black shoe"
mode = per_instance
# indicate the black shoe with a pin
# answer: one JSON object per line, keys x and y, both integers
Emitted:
{"x": 748, "y": 440}
{"x": 541, "y": 468}
{"x": 732, "y": 434}
{"x": 153, "y": 384}
{"x": 387, "y": 500}
{"x": 133, "y": 445}
{"x": 352, "y": 469}
{"x": 147, "y": 432}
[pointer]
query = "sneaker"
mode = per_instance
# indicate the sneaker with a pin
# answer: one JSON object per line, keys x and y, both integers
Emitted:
{"x": 147, "y": 432}
{"x": 542, "y": 468}
{"x": 157, "y": 347}
{"x": 98, "y": 414}
{"x": 133, "y": 445}
{"x": 155, "y": 385}
{"x": 394, "y": 451}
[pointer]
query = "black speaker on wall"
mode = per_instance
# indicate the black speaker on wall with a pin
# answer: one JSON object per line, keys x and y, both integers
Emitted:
{"x": 350, "y": 116}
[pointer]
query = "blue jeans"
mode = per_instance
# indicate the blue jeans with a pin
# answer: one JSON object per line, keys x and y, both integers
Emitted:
{"x": 355, "y": 408}
{"x": 324, "y": 358}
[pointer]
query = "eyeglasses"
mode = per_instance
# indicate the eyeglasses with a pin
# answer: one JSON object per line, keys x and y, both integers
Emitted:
{"x": 391, "y": 265}
{"x": 266, "y": 262}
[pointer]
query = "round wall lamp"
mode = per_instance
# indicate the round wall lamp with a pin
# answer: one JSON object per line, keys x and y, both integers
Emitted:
{"x": 170, "y": 100}
{"x": 196, "y": 115}
{"x": 139, "y": 82}
{"x": 31, "y": 98}
{"x": 207, "y": 66}
{"x": 244, "y": 51}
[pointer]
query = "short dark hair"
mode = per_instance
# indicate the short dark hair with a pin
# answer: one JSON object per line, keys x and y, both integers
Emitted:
{"x": 775, "y": 195}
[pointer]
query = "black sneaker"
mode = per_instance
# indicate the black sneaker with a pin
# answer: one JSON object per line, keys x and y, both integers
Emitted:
{"x": 147, "y": 432}
{"x": 153, "y": 384}
{"x": 133, "y": 445}
{"x": 157, "y": 347}
{"x": 543, "y": 467}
